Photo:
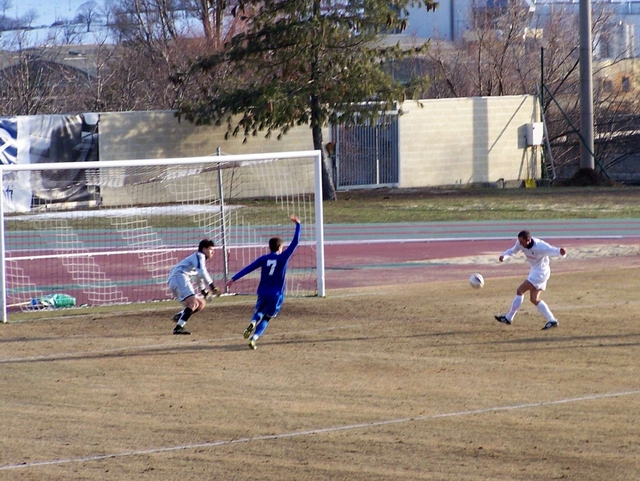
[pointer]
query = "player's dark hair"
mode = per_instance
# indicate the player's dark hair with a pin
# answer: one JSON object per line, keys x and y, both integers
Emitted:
{"x": 205, "y": 243}
{"x": 275, "y": 243}
{"x": 524, "y": 234}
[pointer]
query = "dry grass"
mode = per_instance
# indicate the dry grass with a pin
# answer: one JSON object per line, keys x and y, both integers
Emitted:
{"x": 440, "y": 204}
{"x": 410, "y": 382}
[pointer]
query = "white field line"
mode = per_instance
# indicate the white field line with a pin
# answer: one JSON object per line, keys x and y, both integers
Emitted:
{"x": 104, "y": 352}
{"x": 293, "y": 434}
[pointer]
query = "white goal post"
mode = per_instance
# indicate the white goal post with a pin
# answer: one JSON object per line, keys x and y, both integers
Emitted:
{"x": 108, "y": 232}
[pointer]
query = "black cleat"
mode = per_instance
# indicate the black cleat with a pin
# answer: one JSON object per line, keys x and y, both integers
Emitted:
{"x": 503, "y": 319}
{"x": 181, "y": 330}
{"x": 549, "y": 325}
{"x": 249, "y": 330}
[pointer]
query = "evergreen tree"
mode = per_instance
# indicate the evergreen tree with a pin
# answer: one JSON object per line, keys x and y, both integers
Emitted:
{"x": 303, "y": 62}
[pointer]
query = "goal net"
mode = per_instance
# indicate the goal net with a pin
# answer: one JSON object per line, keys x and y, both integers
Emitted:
{"x": 124, "y": 224}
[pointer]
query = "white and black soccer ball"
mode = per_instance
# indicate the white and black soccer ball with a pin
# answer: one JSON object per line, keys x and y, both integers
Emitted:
{"x": 476, "y": 280}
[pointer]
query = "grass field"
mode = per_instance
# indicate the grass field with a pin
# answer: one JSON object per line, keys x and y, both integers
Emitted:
{"x": 426, "y": 205}
{"x": 407, "y": 381}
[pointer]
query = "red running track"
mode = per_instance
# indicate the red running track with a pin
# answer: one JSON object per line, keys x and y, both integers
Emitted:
{"x": 379, "y": 264}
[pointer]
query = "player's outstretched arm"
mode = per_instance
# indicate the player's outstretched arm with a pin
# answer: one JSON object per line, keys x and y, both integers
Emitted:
{"x": 294, "y": 218}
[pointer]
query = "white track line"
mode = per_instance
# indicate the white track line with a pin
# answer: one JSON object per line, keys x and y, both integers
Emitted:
{"x": 294, "y": 434}
{"x": 401, "y": 240}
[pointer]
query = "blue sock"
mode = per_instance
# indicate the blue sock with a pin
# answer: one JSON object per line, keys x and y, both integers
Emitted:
{"x": 261, "y": 327}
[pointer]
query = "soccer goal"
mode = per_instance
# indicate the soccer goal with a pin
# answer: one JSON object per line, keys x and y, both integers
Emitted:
{"x": 109, "y": 232}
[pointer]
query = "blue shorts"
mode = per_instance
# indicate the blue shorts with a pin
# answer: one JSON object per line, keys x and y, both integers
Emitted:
{"x": 268, "y": 306}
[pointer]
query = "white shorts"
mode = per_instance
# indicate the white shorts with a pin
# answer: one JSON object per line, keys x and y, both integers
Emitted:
{"x": 539, "y": 279}
{"x": 181, "y": 287}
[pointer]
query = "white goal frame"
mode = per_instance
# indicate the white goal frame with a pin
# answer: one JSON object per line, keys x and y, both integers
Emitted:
{"x": 219, "y": 160}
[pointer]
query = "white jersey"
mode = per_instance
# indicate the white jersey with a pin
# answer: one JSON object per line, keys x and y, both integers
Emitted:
{"x": 192, "y": 266}
{"x": 538, "y": 258}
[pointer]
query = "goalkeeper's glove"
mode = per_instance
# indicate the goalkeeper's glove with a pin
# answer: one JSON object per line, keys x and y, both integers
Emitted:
{"x": 209, "y": 295}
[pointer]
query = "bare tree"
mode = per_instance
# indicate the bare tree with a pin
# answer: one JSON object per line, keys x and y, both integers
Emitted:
{"x": 211, "y": 14}
{"x": 146, "y": 21}
{"x": 133, "y": 75}
{"x": 4, "y": 6}
{"x": 99, "y": 65}
{"x": 66, "y": 33}
{"x": 154, "y": 40}
{"x": 108, "y": 7}
{"x": 153, "y": 20}
{"x": 27, "y": 19}
{"x": 89, "y": 12}
{"x": 36, "y": 81}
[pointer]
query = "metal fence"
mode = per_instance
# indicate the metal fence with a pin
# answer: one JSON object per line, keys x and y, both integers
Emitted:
{"x": 367, "y": 155}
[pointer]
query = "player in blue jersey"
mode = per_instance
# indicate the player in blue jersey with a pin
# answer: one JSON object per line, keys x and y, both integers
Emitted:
{"x": 272, "y": 283}
{"x": 193, "y": 265}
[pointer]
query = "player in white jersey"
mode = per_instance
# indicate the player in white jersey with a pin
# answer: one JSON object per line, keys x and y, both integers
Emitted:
{"x": 537, "y": 253}
{"x": 193, "y": 265}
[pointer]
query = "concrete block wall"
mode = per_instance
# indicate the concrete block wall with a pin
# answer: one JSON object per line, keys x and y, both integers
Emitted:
{"x": 159, "y": 134}
{"x": 466, "y": 141}
{"x": 284, "y": 178}
{"x": 442, "y": 142}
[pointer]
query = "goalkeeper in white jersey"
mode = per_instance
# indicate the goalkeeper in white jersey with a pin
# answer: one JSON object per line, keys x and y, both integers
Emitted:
{"x": 537, "y": 253}
{"x": 192, "y": 266}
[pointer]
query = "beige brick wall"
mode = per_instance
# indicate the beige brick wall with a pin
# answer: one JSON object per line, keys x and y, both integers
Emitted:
{"x": 159, "y": 134}
{"x": 442, "y": 142}
{"x": 467, "y": 140}
{"x": 267, "y": 179}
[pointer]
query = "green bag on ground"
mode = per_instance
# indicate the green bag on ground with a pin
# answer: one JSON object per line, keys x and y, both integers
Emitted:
{"x": 53, "y": 301}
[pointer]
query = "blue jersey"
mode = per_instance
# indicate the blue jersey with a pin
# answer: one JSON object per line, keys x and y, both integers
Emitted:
{"x": 274, "y": 268}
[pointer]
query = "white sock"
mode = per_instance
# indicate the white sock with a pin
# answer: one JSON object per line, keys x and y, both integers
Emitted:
{"x": 545, "y": 311}
{"x": 515, "y": 305}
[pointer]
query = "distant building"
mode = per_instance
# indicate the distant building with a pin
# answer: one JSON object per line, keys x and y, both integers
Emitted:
{"x": 451, "y": 21}
{"x": 618, "y": 38}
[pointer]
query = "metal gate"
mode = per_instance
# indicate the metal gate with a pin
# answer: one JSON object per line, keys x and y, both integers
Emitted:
{"x": 366, "y": 155}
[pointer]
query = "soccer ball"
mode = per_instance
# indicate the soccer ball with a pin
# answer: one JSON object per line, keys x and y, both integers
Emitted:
{"x": 476, "y": 280}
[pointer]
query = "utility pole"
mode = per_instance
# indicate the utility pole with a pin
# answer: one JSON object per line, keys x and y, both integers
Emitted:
{"x": 587, "y": 160}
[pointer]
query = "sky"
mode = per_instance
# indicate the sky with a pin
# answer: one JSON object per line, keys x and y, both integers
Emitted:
{"x": 48, "y": 10}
